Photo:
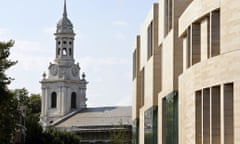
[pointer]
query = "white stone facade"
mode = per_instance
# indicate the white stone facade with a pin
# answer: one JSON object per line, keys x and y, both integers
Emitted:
{"x": 63, "y": 91}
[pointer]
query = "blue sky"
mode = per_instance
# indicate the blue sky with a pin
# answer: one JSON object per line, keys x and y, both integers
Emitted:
{"x": 106, "y": 30}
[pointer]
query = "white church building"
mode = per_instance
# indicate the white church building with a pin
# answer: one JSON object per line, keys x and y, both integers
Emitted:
{"x": 64, "y": 94}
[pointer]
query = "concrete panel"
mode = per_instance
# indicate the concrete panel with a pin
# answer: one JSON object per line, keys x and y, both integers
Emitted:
{"x": 196, "y": 10}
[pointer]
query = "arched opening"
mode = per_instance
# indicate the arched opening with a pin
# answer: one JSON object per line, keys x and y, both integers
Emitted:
{"x": 53, "y": 100}
{"x": 64, "y": 51}
{"x": 73, "y": 100}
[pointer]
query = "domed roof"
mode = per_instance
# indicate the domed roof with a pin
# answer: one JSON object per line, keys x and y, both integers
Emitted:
{"x": 64, "y": 25}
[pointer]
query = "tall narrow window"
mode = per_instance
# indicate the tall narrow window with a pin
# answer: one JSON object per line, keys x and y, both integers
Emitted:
{"x": 215, "y": 33}
{"x": 70, "y": 51}
{"x": 150, "y": 40}
{"x": 170, "y": 119}
{"x": 142, "y": 86}
{"x": 168, "y": 16}
{"x": 208, "y": 38}
{"x": 53, "y": 100}
{"x": 198, "y": 117}
{"x": 73, "y": 100}
{"x": 196, "y": 38}
{"x": 58, "y": 51}
{"x": 170, "y": 13}
{"x": 206, "y": 116}
{"x": 151, "y": 125}
{"x": 188, "y": 50}
{"x": 228, "y": 113}
{"x": 134, "y": 64}
{"x": 216, "y": 124}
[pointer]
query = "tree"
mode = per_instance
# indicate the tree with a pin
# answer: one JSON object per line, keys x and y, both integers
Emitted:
{"x": 54, "y": 136}
{"x": 8, "y": 102}
{"x": 35, "y": 133}
{"x": 34, "y": 129}
{"x": 120, "y": 134}
{"x": 35, "y": 104}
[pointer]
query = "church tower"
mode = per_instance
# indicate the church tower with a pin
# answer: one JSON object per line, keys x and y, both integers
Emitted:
{"x": 63, "y": 91}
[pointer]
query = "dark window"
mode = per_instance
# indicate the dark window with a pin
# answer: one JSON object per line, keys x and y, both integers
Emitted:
{"x": 135, "y": 131}
{"x": 64, "y": 42}
{"x": 70, "y": 43}
{"x": 168, "y": 16}
{"x": 206, "y": 116}
{"x": 198, "y": 117}
{"x": 150, "y": 40}
{"x": 59, "y": 51}
{"x": 134, "y": 65}
{"x": 215, "y": 33}
{"x": 170, "y": 119}
{"x": 189, "y": 33}
{"x": 59, "y": 42}
{"x": 216, "y": 114}
{"x": 228, "y": 114}
{"x": 54, "y": 100}
{"x": 151, "y": 125}
{"x": 142, "y": 86}
{"x": 70, "y": 51}
{"x": 73, "y": 100}
{"x": 196, "y": 43}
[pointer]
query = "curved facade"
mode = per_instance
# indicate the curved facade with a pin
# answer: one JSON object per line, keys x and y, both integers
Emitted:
{"x": 197, "y": 81}
{"x": 209, "y": 85}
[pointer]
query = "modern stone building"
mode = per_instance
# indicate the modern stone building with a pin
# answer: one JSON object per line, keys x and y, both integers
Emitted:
{"x": 64, "y": 96}
{"x": 186, "y": 73}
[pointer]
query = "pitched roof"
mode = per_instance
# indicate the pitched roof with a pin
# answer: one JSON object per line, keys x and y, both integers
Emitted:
{"x": 99, "y": 116}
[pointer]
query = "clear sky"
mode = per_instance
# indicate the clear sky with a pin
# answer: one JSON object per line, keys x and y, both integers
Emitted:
{"x": 106, "y": 31}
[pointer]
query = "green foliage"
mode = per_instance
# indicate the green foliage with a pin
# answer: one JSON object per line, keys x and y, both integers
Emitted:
{"x": 35, "y": 133}
{"x": 34, "y": 129}
{"x": 8, "y": 117}
{"x": 54, "y": 136}
{"x": 35, "y": 104}
{"x": 9, "y": 113}
{"x": 5, "y": 63}
{"x": 8, "y": 102}
{"x": 120, "y": 134}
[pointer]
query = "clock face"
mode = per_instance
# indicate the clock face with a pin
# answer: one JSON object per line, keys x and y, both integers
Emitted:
{"x": 75, "y": 71}
{"x": 54, "y": 70}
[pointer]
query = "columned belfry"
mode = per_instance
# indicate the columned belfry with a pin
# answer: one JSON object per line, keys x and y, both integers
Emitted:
{"x": 63, "y": 91}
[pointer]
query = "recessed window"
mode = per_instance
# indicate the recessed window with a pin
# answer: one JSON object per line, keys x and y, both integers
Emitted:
{"x": 150, "y": 40}
{"x": 53, "y": 100}
{"x": 70, "y": 51}
{"x": 59, "y": 42}
{"x": 170, "y": 119}
{"x": 168, "y": 16}
{"x": 64, "y": 42}
{"x": 215, "y": 33}
{"x": 73, "y": 100}
{"x": 64, "y": 51}
{"x": 208, "y": 115}
{"x": 59, "y": 51}
{"x": 70, "y": 43}
{"x": 228, "y": 113}
{"x": 142, "y": 86}
{"x": 134, "y": 65}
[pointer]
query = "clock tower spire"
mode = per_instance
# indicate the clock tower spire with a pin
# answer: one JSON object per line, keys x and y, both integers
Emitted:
{"x": 63, "y": 91}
